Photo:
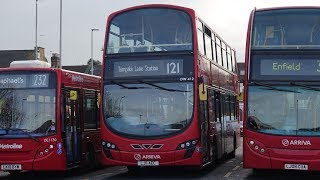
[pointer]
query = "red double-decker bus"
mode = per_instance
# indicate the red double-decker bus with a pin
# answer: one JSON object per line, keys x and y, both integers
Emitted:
{"x": 169, "y": 90}
{"x": 49, "y": 118}
{"x": 282, "y": 84}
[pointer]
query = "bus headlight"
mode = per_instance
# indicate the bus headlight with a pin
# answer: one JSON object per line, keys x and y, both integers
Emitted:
{"x": 257, "y": 147}
{"x": 109, "y": 145}
{"x": 187, "y": 144}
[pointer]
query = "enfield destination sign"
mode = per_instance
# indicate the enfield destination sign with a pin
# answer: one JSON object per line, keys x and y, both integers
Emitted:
{"x": 148, "y": 68}
{"x": 298, "y": 67}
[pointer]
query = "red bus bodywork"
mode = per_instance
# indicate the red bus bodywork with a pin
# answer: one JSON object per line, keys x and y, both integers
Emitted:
{"x": 48, "y": 153}
{"x": 267, "y": 151}
{"x": 165, "y": 150}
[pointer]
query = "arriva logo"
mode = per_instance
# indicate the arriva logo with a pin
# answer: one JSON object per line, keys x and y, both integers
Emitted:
{"x": 151, "y": 157}
{"x": 138, "y": 157}
{"x": 286, "y": 142}
{"x": 11, "y": 146}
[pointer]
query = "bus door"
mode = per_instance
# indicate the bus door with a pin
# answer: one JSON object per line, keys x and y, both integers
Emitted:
{"x": 213, "y": 125}
{"x": 204, "y": 125}
{"x": 72, "y": 125}
{"x": 221, "y": 139}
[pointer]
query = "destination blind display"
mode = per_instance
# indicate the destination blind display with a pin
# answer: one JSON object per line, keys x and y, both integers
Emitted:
{"x": 24, "y": 80}
{"x": 148, "y": 68}
{"x": 285, "y": 67}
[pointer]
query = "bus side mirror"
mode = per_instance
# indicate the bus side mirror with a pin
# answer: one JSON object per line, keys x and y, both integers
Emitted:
{"x": 73, "y": 95}
{"x": 203, "y": 95}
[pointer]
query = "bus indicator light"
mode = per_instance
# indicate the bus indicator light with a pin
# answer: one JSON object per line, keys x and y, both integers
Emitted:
{"x": 59, "y": 151}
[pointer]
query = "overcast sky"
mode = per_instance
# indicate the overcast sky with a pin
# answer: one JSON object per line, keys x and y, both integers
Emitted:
{"x": 228, "y": 18}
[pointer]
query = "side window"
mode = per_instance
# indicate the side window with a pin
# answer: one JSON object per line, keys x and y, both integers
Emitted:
{"x": 218, "y": 46}
{"x": 233, "y": 107}
{"x": 233, "y": 54}
{"x": 218, "y": 104}
{"x": 208, "y": 47}
{"x": 226, "y": 114}
{"x": 224, "y": 55}
{"x": 212, "y": 106}
{"x": 229, "y": 59}
{"x": 200, "y": 42}
{"x": 214, "y": 53}
{"x": 91, "y": 118}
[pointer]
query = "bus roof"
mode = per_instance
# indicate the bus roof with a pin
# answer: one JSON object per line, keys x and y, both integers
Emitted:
{"x": 287, "y": 7}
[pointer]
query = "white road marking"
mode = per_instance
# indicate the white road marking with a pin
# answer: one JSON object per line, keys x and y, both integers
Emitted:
{"x": 235, "y": 168}
{"x": 228, "y": 174}
{"x": 102, "y": 175}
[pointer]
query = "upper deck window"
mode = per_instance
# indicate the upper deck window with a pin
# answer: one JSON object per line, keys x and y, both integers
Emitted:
{"x": 148, "y": 30}
{"x": 287, "y": 28}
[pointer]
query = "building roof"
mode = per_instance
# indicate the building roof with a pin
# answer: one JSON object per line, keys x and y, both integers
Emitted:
{"x": 78, "y": 68}
{"x": 7, "y": 56}
{"x": 84, "y": 69}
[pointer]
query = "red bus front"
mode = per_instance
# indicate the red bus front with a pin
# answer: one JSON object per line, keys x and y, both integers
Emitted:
{"x": 28, "y": 126}
{"x": 282, "y": 85}
{"x": 149, "y": 109}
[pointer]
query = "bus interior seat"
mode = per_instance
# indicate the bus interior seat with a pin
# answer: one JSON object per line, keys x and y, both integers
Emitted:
{"x": 315, "y": 37}
{"x": 273, "y": 36}
{"x": 141, "y": 49}
{"x": 124, "y": 50}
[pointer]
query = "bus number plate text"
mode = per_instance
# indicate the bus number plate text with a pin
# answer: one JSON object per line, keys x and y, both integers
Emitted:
{"x": 296, "y": 166}
{"x": 148, "y": 163}
{"x": 11, "y": 167}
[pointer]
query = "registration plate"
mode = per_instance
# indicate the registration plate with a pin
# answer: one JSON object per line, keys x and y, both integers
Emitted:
{"x": 11, "y": 167}
{"x": 148, "y": 163}
{"x": 296, "y": 166}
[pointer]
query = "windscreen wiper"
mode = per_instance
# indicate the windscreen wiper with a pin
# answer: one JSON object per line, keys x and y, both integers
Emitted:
{"x": 121, "y": 85}
{"x": 3, "y": 132}
{"x": 310, "y": 129}
{"x": 24, "y": 131}
{"x": 272, "y": 88}
{"x": 162, "y": 88}
{"x": 304, "y": 86}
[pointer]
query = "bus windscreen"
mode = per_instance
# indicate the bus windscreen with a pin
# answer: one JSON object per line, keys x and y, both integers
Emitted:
{"x": 27, "y": 104}
{"x": 149, "y": 30}
{"x": 279, "y": 29}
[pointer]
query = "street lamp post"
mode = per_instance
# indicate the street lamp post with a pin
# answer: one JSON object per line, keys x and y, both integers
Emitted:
{"x": 36, "y": 48}
{"x": 92, "y": 49}
{"x": 60, "y": 41}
